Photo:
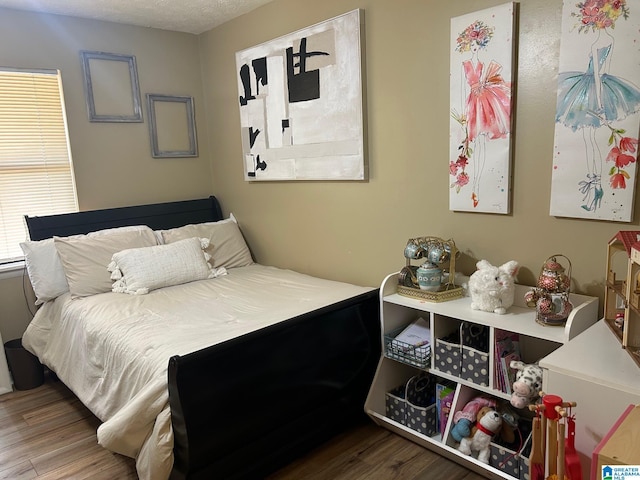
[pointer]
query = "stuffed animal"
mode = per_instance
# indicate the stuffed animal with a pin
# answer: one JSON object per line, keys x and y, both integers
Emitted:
{"x": 488, "y": 424}
{"x": 464, "y": 419}
{"x": 492, "y": 288}
{"x": 528, "y": 384}
{"x": 510, "y": 422}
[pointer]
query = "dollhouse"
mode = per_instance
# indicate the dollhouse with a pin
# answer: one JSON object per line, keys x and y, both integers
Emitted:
{"x": 622, "y": 292}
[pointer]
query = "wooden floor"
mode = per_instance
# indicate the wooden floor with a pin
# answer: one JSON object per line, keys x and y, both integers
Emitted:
{"x": 46, "y": 433}
{"x": 370, "y": 452}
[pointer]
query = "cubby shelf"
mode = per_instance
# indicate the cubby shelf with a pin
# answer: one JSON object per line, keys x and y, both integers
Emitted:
{"x": 536, "y": 341}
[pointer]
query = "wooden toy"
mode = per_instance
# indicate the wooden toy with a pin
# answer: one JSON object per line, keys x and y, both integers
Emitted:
{"x": 622, "y": 292}
{"x": 553, "y": 455}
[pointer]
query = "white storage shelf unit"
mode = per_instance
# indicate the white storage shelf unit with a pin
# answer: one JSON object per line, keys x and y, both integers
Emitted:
{"x": 603, "y": 384}
{"x": 536, "y": 341}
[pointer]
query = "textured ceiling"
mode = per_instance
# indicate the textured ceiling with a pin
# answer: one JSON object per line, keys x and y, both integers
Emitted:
{"x": 191, "y": 16}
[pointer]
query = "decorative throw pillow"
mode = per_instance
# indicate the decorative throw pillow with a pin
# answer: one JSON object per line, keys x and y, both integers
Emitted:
{"x": 85, "y": 258}
{"x": 226, "y": 243}
{"x": 139, "y": 270}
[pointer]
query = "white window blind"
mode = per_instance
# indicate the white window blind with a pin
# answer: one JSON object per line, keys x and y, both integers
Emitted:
{"x": 36, "y": 172}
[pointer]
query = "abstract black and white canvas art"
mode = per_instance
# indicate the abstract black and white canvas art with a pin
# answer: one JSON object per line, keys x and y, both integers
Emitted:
{"x": 301, "y": 104}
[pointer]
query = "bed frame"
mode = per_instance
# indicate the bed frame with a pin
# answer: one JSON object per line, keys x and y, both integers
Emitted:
{"x": 246, "y": 407}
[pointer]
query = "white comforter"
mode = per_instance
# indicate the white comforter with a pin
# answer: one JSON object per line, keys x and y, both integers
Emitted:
{"x": 112, "y": 349}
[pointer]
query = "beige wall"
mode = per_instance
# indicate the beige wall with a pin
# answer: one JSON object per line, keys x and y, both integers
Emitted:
{"x": 357, "y": 231}
{"x": 112, "y": 161}
{"x": 352, "y": 231}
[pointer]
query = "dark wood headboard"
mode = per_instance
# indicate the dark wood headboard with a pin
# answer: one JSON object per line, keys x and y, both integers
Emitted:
{"x": 157, "y": 216}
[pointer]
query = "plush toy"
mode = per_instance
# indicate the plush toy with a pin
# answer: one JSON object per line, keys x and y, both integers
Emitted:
{"x": 488, "y": 424}
{"x": 464, "y": 419}
{"x": 492, "y": 288}
{"x": 528, "y": 384}
{"x": 510, "y": 422}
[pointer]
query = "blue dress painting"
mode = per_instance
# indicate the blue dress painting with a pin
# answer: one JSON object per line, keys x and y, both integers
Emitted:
{"x": 578, "y": 105}
{"x": 597, "y": 112}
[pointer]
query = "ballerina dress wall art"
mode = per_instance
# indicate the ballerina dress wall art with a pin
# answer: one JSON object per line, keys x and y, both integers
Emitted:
{"x": 481, "y": 77}
{"x": 597, "y": 112}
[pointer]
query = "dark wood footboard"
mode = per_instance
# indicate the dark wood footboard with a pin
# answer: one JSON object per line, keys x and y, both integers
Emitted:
{"x": 248, "y": 406}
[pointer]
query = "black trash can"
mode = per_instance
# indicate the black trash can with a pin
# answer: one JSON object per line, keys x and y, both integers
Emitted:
{"x": 26, "y": 369}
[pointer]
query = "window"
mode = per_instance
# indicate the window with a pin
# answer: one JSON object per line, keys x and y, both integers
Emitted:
{"x": 36, "y": 173}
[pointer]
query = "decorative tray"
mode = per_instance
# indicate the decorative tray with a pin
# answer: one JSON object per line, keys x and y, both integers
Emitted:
{"x": 446, "y": 293}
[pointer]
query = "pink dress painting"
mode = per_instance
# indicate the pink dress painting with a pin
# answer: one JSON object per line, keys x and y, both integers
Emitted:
{"x": 489, "y": 101}
{"x": 481, "y": 128}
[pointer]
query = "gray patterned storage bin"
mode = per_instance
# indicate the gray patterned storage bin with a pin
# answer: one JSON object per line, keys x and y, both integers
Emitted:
{"x": 511, "y": 462}
{"x": 414, "y": 405}
{"x": 448, "y": 355}
{"x": 504, "y": 459}
{"x": 475, "y": 336}
{"x": 422, "y": 419}
{"x": 475, "y": 353}
{"x": 524, "y": 459}
{"x": 421, "y": 404}
{"x": 396, "y": 405}
{"x": 475, "y": 366}
{"x": 524, "y": 468}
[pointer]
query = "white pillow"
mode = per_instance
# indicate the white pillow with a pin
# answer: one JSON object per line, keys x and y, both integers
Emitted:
{"x": 139, "y": 270}
{"x": 44, "y": 268}
{"x": 226, "y": 243}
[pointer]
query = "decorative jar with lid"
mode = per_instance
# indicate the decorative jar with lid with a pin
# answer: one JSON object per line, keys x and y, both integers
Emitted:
{"x": 550, "y": 297}
{"x": 429, "y": 276}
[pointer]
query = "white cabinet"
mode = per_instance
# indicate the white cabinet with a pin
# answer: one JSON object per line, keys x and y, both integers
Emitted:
{"x": 596, "y": 372}
{"x": 536, "y": 341}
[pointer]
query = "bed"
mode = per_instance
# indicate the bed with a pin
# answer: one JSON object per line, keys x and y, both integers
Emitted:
{"x": 231, "y": 375}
